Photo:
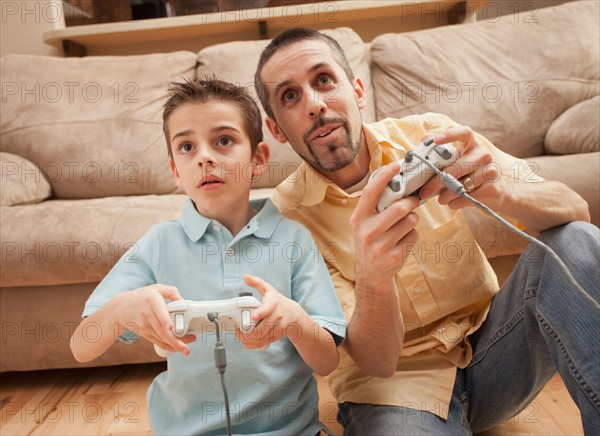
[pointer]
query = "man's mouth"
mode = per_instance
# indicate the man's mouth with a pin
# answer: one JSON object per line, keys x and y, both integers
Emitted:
{"x": 324, "y": 132}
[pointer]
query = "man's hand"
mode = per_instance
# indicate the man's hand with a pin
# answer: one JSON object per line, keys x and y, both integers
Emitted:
{"x": 383, "y": 240}
{"x": 474, "y": 163}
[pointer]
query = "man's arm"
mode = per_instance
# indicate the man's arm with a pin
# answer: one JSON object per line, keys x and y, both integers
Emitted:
{"x": 375, "y": 332}
{"x": 536, "y": 203}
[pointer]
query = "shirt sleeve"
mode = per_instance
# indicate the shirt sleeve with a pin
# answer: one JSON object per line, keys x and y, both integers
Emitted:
{"x": 313, "y": 289}
{"x": 135, "y": 269}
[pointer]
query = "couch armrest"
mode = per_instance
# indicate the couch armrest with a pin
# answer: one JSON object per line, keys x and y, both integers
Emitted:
{"x": 580, "y": 172}
{"x": 575, "y": 130}
{"x": 21, "y": 181}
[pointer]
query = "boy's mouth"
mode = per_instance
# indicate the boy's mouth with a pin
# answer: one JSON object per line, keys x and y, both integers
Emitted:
{"x": 210, "y": 182}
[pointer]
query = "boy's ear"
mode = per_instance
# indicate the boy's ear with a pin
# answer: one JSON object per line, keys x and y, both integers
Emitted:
{"x": 176, "y": 175}
{"x": 261, "y": 158}
{"x": 275, "y": 130}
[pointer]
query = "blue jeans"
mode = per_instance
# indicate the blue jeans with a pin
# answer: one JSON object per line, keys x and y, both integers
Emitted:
{"x": 537, "y": 325}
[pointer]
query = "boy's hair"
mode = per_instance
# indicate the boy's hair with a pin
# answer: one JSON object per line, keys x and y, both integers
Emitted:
{"x": 211, "y": 88}
{"x": 286, "y": 39}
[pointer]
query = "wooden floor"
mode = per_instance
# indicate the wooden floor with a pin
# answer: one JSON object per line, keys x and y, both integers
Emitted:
{"x": 111, "y": 400}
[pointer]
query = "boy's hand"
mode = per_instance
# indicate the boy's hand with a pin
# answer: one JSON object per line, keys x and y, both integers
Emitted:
{"x": 273, "y": 318}
{"x": 145, "y": 308}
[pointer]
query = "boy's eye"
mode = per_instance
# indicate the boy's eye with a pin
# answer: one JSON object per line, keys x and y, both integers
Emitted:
{"x": 186, "y": 147}
{"x": 224, "y": 141}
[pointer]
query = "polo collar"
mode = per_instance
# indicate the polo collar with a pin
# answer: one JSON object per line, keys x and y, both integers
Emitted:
{"x": 262, "y": 225}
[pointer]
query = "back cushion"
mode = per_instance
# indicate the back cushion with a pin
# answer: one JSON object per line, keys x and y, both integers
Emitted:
{"x": 508, "y": 78}
{"x": 92, "y": 125}
{"x": 236, "y": 62}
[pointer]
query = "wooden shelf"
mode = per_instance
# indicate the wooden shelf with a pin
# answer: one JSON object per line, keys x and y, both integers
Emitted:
{"x": 255, "y": 22}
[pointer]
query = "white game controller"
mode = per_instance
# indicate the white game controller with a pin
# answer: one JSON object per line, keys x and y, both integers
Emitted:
{"x": 191, "y": 317}
{"x": 414, "y": 173}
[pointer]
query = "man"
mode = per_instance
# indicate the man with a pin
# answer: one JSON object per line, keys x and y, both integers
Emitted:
{"x": 426, "y": 349}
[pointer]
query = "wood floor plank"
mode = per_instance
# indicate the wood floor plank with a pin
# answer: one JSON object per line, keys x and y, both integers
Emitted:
{"x": 112, "y": 400}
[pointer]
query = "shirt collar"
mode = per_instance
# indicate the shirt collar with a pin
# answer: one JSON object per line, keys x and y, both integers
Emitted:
{"x": 316, "y": 184}
{"x": 262, "y": 225}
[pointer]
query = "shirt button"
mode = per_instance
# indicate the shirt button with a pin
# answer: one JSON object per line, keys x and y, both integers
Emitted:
{"x": 230, "y": 252}
{"x": 216, "y": 228}
{"x": 417, "y": 289}
{"x": 344, "y": 201}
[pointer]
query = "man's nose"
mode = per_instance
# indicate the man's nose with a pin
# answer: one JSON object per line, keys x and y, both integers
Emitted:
{"x": 316, "y": 104}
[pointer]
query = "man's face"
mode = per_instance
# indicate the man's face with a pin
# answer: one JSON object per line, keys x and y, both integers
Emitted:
{"x": 316, "y": 107}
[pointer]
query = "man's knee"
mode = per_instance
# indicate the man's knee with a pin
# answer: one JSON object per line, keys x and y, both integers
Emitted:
{"x": 576, "y": 241}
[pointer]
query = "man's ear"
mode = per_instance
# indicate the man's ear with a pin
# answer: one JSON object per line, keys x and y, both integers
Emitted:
{"x": 261, "y": 157}
{"x": 275, "y": 130}
{"x": 360, "y": 94}
{"x": 176, "y": 175}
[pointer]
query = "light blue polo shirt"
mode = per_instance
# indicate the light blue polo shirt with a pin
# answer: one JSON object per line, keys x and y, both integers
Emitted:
{"x": 271, "y": 392}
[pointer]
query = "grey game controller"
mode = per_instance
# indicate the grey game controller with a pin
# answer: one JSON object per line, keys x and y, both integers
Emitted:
{"x": 414, "y": 174}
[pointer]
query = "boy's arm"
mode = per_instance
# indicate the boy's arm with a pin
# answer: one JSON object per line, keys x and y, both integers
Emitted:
{"x": 143, "y": 308}
{"x": 280, "y": 316}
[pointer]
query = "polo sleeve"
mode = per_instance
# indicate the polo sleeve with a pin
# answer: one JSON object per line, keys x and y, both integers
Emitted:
{"x": 135, "y": 269}
{"x": 313, "y": 290}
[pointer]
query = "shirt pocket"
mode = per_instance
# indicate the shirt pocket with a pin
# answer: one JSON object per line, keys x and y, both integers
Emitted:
{"x": 455, "y": 267}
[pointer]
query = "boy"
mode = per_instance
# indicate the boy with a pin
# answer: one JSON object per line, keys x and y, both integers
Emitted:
{"x": 214, "y": 137}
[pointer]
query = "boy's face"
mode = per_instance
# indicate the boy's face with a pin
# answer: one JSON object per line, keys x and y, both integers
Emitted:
{"x": 316, "y": 107}
{"x": 212, "y": 159}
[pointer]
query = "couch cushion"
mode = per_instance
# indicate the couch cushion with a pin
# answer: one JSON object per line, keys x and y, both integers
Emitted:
{"x": 577, "y": 130}
{"x": 93, "y": 125}
{"x": 78, "y": 241}
{"x": 21, "y": 182}
{"x": 236, "y": 62}
{"x": 507, "y": 78}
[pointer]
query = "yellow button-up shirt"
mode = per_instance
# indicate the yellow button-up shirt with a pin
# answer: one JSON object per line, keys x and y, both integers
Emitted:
{"x": 445, "y": 286}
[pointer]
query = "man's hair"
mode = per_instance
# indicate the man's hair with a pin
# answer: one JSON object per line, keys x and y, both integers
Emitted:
{"x": 211, "y": 88}
{"x": 285, "y": 39}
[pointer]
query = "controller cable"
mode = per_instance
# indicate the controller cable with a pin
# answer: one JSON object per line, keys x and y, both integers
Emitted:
{"x": 221, "y": 364}
{"x": 456, "y": 187}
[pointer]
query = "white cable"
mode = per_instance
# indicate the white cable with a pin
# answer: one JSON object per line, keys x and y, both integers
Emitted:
{"x": 456, "y": 187}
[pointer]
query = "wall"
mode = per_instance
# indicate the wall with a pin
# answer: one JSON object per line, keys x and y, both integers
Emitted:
{"x": 22, "y": 24}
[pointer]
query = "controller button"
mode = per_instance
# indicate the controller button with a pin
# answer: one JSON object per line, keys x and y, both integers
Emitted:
{"x": 246, "y": 318}
{"x": 445, "y": 154}
{"x": 394, "y": 185}
{"x": 179, "y": 324}
{"x": 245, "y": 294}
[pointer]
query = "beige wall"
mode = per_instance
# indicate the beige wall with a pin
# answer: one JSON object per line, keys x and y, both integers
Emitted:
{"x": 22, "y": 24}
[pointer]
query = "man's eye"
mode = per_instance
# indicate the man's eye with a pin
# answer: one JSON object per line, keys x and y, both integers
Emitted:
{"x": 224, "y": 141}
{"x": 325, "y": 80}
{"x": 289, "y": 96}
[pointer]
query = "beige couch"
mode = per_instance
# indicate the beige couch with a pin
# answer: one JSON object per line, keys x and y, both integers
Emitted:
{"x": 84, "y": 164}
